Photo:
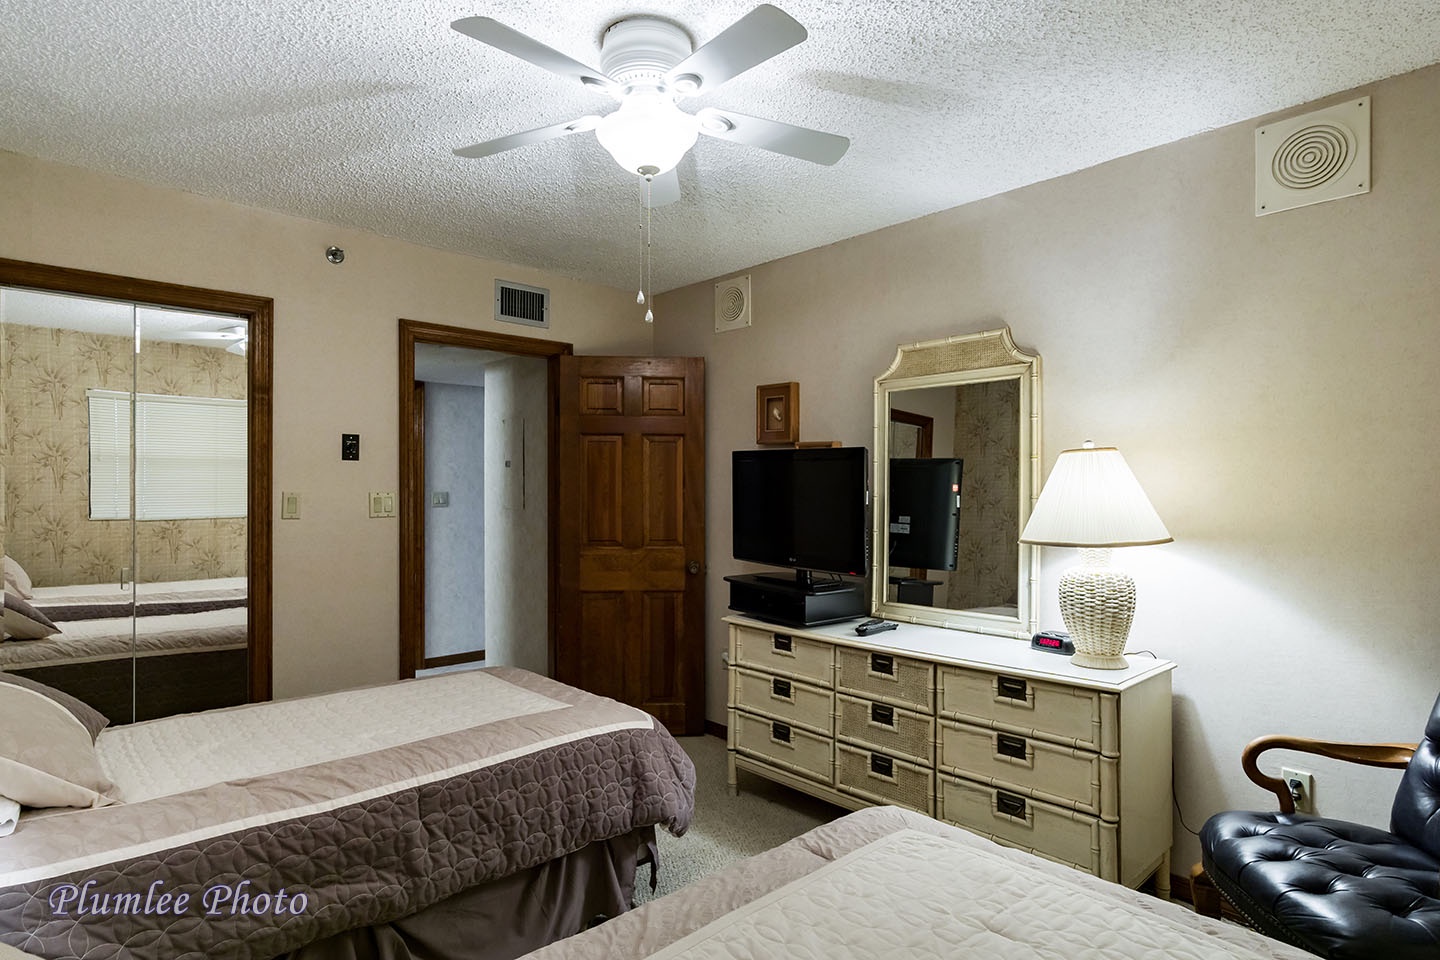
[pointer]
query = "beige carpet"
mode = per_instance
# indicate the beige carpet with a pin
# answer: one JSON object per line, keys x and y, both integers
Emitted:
{"x": 726, "y": 828}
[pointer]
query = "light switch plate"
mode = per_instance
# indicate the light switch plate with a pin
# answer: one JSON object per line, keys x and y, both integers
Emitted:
{"x": 440, "y": 498}
{"x": 289, "y": 506}
{"x": 382, "y": 503}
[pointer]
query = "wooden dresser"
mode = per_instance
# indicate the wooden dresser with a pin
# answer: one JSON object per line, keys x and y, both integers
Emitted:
{"x": 1011, "y": 743}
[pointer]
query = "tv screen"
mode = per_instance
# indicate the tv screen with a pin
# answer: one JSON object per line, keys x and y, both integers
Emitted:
{"x": 802, "y": 508}
{"x": 924, "y": 516}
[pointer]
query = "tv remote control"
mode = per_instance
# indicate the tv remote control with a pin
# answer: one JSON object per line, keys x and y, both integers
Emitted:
{"x": 874, "y": 626}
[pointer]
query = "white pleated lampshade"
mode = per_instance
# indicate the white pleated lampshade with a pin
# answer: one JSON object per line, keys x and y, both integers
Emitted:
{"x": 1093, "y": 500}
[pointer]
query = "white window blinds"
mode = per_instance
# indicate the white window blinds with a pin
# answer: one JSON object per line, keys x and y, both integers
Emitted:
{"x": 190, "y": 457}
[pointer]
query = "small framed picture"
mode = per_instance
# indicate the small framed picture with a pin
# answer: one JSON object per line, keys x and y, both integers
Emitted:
{"x": 777, "y": 413}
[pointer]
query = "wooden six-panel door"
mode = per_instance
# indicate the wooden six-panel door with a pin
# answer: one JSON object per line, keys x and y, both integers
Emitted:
{"x": 631, "y": 533}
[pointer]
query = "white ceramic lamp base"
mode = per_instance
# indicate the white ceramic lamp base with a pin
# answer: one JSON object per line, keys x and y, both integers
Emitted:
{"x": 1097, "y": 603}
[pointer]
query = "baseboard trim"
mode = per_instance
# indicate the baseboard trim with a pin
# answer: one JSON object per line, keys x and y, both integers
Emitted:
{"x": 717, "y": 730}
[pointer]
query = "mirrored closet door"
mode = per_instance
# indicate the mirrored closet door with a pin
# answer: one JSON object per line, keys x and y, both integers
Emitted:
{"x": 126, "y": 475}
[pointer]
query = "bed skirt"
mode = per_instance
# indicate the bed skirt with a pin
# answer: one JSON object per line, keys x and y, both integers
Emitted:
{"x": 506, "y": 918}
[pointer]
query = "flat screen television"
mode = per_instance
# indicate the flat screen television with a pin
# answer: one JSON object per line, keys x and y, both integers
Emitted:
{"x": 924, "y": 519}
{"x": 803, "y": 508}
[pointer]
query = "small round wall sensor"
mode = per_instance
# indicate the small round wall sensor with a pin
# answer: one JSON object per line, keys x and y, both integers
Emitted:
{"x": 334, "y": 254}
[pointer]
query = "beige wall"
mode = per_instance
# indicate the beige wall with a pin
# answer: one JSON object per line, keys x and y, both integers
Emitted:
{"x": 336, "y": 571}
{"x": 1273, "y": 383}
{"x": 43, "y": 382}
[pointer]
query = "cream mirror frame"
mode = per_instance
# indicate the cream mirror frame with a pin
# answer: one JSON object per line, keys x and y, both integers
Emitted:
{"x": 976, "y": 358}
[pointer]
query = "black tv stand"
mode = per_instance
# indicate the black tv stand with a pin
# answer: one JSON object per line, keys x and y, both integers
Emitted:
{"x": 797, "y": 601}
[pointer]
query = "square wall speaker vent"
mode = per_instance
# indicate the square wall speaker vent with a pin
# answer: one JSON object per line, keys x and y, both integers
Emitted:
{"x": 732, "y": 304}
{"x": 1317, "y": 156}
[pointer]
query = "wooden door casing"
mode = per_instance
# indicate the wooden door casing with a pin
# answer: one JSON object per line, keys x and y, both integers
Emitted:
{"x": 632, "y": 533}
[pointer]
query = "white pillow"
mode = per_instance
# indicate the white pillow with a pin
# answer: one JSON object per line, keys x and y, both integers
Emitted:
{"x": 47, "y": 754}
{"x": 17, "y": 579}
{"x": 24, "y": 622}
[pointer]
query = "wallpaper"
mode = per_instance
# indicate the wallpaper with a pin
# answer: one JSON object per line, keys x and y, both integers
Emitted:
{"x": 44, "y": 448}
{"x": 987, "y": 431}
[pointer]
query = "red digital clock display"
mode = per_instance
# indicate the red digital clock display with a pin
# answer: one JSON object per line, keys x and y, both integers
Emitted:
{"x": 1048, "y": 641}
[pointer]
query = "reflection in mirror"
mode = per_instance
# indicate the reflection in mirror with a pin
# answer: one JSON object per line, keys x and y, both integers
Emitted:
{"x": 969, "y": 513}
{"x": 126, "y": 472}
{"x": 957, "y": 447}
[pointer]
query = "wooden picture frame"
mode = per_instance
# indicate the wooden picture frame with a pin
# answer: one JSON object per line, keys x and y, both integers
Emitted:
{"x": 777, "y": 413}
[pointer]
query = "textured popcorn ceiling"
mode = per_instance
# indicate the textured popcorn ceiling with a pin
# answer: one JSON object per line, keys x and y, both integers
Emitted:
{"x": 346, "y": 110}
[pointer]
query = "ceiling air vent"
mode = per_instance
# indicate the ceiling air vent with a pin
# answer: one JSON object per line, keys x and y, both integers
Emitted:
{"x": 732, "y": 304}
{"x": 1317, "y": 156}
{"x": 517, "y": 303}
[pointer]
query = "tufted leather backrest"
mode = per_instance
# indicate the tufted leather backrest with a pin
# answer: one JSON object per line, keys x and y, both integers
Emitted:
{"x": 1415, "y": 817}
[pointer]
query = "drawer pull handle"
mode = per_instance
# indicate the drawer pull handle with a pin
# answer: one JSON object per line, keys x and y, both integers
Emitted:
{"x": 783, "y": 644}
{"x": 881, "y": 714}
{"x": 780, "y": 688}
{"x": 1008, "y": 746}
{"x": 882, "y": 766}
{"x": 882, "y": 663}
{"x": 1009, "y": 804}
{"x": 780, "y": 731}
{"x": 1012, "y": 688}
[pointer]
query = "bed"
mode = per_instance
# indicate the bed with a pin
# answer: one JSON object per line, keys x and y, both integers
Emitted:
{"x": 886, "y": 882}
{"x": 186, "y": 650}
{"x": 475, "y": 814}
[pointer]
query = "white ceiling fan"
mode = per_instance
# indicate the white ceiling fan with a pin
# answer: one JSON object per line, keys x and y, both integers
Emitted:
{"x": 647, "y": 64}
{"x": 237, "y": 336}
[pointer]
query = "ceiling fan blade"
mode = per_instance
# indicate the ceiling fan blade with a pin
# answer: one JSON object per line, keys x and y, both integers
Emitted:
{"x": 500, "y": 144}
{"x": 800, "y": 142}
{"x": 754, "y": 38}
{"x": 665, "y": 189}
{"x": 517, "y": 44}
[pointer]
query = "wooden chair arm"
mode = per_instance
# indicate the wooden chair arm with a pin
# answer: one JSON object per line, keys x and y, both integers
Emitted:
{"x": 1369, "y": 754}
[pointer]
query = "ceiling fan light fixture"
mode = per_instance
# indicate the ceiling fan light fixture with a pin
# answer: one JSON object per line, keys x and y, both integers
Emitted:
{"x": 687, "y": 84}
{"x": 648, "y": 132}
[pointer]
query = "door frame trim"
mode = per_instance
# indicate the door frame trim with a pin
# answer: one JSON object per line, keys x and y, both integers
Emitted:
{"x": 259, "y": 313}
{"x": 411, "y": 505}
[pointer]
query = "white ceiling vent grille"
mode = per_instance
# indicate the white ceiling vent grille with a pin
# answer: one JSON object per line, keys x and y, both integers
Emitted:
{"x": 517, "y": 303}
{"x": 1318, "y": 156}
{"x": 732, "y": 304}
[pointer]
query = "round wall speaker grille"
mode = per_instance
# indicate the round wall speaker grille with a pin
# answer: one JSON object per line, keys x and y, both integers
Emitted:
{"x": 1313, "y": 156}
{"x": 732, "y": 304}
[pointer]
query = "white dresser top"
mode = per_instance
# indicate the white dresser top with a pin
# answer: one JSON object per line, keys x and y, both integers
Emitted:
{"x": 976, "y": 650}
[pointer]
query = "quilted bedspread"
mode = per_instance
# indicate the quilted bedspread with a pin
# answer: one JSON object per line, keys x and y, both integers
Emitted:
{"x": 260, "y": 865}
{"x": 890, "y": 884}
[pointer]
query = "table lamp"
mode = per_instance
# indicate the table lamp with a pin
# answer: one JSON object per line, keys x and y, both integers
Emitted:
{"x": 1093, "y": 501}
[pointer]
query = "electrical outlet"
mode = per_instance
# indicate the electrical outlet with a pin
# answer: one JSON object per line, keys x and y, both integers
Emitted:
{"x": 1302, "y": 788}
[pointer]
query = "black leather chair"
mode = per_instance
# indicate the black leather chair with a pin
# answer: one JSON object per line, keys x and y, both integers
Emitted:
{"x": 1334, "y": 888}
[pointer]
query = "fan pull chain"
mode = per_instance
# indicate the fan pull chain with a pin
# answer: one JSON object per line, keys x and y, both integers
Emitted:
{"x": 640, "y": 295}
{"x": 649, "y": 256}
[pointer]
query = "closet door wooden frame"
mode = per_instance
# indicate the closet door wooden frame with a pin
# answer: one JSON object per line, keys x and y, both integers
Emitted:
{"x": 259, "y": 315}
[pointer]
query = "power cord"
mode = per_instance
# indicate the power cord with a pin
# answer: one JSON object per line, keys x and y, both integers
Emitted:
{"x": 1175, "y": 799}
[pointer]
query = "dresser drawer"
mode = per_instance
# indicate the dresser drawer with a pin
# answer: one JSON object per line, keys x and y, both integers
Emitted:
{"x": 1066, "y": 776}
{"x": 779, "y": 652}
{"x": 783, "y": 698}
{"x": 785, "y": 745}
{"x": 891, "y": 729}
{"x": 882, "y": 778}
{"x": 1069, "y": 715}
{"x": 885, "y": 676}
{"x": 1076, "y": 839}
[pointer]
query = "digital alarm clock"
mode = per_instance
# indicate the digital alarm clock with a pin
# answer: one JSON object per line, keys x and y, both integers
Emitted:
{"x": 1052, "y": 641}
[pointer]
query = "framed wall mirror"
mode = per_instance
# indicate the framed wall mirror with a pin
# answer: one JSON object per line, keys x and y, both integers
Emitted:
{"x": 957, "y": 471}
